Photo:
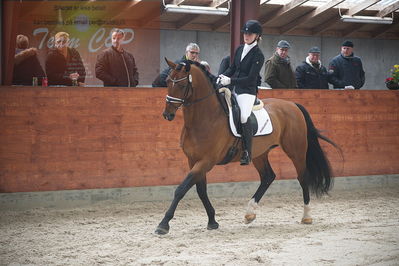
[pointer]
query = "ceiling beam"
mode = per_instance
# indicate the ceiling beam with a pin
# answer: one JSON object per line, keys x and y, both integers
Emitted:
{"x": 321, "y": 10}
{"x": 329, "y": 22}
{"x": 352, "y": 11}
{"x": 361, "y": 6}
{"x": 186, "y": 20}
{"x": 388, "y": 9}
{"x": 262, "y": 2}
{"x": 150, "y": 16}
{"x": 177, "y": 2}
{"x": 385, "y": 28}
{"x": 218, "y": 3}
{"x": 282, "y": 11}
{"x": 351, "y": 29}
{"x": 221, "y": 23}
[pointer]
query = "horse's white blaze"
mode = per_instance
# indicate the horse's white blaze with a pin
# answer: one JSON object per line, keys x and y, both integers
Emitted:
{"x": 252, "y": 206}
{"x": 306, "y": 211}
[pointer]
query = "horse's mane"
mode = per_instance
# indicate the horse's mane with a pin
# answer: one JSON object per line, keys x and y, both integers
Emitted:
{"x": 187, "y": 63}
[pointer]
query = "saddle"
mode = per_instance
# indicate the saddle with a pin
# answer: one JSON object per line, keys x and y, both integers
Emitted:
{"x": 229, "y": 102}
{"x": 259, "y": 116}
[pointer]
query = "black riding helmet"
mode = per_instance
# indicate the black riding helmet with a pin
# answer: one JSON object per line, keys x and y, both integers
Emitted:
{"x": 252, "y": 26}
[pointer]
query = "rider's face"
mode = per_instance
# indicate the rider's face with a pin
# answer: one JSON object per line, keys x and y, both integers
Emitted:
{"x": 249, "y": 37}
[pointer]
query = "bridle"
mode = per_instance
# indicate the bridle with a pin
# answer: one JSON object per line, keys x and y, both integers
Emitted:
{"x": 183, "y": 101}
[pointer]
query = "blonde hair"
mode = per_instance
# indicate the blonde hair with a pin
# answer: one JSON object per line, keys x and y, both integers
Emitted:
{"x": 22, "y": 41}
{"x": 62, "y": 34}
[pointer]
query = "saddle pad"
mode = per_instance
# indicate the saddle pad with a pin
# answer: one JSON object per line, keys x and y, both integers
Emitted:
{"x": 265, "y": 126}
{"x": 262, "y": 118}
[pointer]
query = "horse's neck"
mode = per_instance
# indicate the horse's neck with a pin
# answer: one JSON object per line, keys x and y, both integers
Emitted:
{"x": 204, "y": 114}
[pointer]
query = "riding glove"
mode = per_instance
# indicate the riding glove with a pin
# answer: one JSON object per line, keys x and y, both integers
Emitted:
{"x": 224, "y": 80}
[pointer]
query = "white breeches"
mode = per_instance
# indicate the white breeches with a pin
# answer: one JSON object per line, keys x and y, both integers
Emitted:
{"x": 246, "y": 103}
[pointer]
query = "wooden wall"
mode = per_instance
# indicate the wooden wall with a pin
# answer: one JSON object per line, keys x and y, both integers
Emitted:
{"x": 82, "y": 138}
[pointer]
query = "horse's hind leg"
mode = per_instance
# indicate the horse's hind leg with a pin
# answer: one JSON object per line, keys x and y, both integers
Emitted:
{"x": 306, "y": 219}
{"x": 267, "y": 176}
{"x": 203, "y": 195}
{"x": 298, "y": 158}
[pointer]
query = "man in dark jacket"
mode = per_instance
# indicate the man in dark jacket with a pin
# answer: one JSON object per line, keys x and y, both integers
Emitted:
{"x": 115, "y": 66}
{"x": 346, "y": 69}
{"x": 192, "y": 53}
{"x": 26, "y": 63}
{"x": 64, "y": 66}
{"x": 224, "y": 64}
{"x": 311, "y": 74}
{"x": 278, "y": 70}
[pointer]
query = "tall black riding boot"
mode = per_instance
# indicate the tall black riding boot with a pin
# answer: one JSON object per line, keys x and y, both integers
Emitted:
{"x": 246, "y": 143}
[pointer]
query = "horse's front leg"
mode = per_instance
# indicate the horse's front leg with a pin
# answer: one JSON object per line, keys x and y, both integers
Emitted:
{"x": 181, "y": 190}
{"x": 210, "y": 211}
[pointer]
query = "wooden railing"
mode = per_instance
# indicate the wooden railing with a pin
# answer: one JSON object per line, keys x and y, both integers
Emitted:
{"x": 83, "y": 138}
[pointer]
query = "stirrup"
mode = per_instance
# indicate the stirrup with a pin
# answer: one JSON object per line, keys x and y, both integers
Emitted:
{"x": 245, "y": 158}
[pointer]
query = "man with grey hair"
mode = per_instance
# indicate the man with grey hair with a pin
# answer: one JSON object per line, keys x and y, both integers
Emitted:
{"x": 115, "y": 66}
{"x": 311, "y": 74}
{"x": 192, "y": 53}
{"x": 278, "y": 70}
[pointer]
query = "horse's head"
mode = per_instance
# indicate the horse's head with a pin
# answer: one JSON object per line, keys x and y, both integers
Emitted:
{"x": 179, "y": 88}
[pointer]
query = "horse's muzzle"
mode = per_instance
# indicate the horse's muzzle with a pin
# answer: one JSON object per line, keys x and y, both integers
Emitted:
{"x": 168, "y": 116}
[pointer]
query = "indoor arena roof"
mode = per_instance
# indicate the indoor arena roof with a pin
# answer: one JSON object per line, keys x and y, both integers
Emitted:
{"x": 295, "y": 17}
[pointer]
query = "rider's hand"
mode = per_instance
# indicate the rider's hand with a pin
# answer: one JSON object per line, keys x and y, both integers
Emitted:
{"x": 224, "y": 80}
{"x": 350, "y": 87}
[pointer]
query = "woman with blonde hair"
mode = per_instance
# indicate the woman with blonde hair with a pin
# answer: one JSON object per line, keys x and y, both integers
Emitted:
{"x": 64, "y": 65}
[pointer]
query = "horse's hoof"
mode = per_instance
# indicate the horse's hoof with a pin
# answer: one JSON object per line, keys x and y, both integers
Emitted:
{"x": 212, "y": 226}
{"x": 307, "y": 221}
{"x": 249, "y": 218}
{"x": 161, "y": 230}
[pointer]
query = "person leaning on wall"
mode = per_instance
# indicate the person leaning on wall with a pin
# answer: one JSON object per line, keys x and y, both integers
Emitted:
{"x": 278, "y": 70}
{"x": 26, "y": 63}
{"x": 115, "y": 66}
{"x": 64, "y": 66}
{"x": 311, "y": 74}
{"x": 346, "y": 69}
{"x": 192, "y": 53}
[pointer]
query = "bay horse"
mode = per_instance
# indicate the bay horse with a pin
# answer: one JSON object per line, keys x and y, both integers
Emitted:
{"x": 206, "y": 139}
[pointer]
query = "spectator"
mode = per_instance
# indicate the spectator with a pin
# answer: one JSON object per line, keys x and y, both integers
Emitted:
{"x": 311, "y": 74}
{"x": 64, "y": 65}
{"x": 346, "y": 69}
{"x": 192, "y": 53}
{"x": 242, "y": 76}
{"x": 26, "y": 63}
{"x": 278, "y": 70}
{"x": 115, "y": 66}
{"x": 224, "y": 64}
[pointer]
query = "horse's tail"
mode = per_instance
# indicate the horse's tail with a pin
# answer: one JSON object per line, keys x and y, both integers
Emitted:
{"x": 318, "y": 174}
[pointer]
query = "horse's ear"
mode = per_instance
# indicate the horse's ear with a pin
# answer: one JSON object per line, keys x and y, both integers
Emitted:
{"x": 170, "y": 63}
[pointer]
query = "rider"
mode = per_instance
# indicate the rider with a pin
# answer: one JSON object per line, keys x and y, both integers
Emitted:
{"x": 243, "y": 75}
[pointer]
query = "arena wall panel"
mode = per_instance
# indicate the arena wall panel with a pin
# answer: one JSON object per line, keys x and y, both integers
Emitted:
{"x": 85, "y": 138}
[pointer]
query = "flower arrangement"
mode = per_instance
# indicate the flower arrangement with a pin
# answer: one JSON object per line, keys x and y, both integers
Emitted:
{"x": 393, "y": 82}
